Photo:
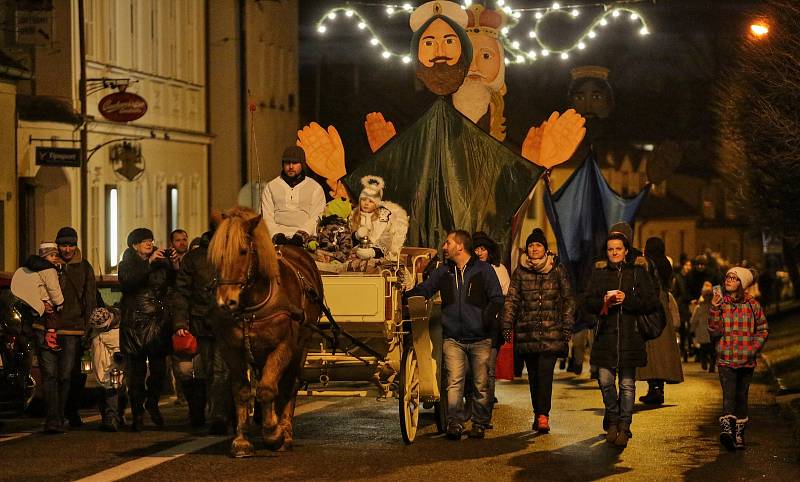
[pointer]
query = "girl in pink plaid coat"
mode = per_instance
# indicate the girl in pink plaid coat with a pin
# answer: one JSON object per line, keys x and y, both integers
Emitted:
{"x": 737, "y": 322}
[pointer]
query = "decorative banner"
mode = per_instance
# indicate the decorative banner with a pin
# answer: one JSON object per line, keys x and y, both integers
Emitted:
{"x": 58, "y": 156}
{"x": 122, "y": 107}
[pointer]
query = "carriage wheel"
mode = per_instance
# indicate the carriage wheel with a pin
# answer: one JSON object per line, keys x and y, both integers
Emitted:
{"x": 409, "y": 396}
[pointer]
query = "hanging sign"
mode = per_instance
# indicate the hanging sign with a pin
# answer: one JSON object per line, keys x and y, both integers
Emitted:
{"x": 58, "y": 156}
{"x": 122, "y": 107}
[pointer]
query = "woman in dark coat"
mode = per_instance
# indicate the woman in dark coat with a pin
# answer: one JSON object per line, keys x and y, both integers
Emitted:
{"x": 618, "y": 291}
{"x": 540, "y": 309}
{"x": 144, "y": 276}
{"x": 663, "y": 353}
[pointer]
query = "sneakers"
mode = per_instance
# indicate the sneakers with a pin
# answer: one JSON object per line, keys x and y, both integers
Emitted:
{"x": 726, "y": 435}
{"x": 455, "y": 431}
{"x": 477, "y": 431}
{"x": 542, "y": 424}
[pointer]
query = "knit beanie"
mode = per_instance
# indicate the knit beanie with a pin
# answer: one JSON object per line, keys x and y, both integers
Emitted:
{"x": 745, "y": 276}
{"x": 536, "y": 236}
{"x": 624, "y": 229}
{"x": 373, "y": 188}
{"x": 67, "y": 235}
{"x": 46, "y": 249}
{"x": 294, "y": 154}
{"x": 138, "y": 235}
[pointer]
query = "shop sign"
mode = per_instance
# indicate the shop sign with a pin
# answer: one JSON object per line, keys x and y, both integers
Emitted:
{"x": 58, "y": 156}
{"x": 122, "y": 107}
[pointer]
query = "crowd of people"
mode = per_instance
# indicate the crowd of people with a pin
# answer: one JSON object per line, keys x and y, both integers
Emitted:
{"x": 167, "y": 312}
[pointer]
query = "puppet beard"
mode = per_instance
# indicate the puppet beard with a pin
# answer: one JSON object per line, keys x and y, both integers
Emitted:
{"x": 442, "y": 79}
{"x": 472, "y": 99}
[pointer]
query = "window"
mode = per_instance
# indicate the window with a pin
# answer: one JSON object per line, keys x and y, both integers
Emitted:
{"x": 112, "y": 227}
{"x": 172, "y": 208}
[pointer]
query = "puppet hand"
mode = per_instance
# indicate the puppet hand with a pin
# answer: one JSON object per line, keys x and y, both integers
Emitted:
{"x": 379, "y": 130}
{"x": 532, "y": 144}
{"x": 324, "y": 151}
{"x": 561, "y": 136}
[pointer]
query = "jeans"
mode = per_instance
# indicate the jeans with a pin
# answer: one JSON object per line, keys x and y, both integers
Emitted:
{"x": 492, "y": 378}
{"x": 56, "y": 368}
{"x": 208, "y": 365}
{"x": 458, "y": 359}
{"x": 142, "y": 386}
{"x": 619, "y": 408}
{"x": 581, "y": 343}
{"x": 735, "y": 387}
{"x": 540, "y": 380}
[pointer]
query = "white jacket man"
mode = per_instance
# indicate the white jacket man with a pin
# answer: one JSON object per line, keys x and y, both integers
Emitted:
{"x": 292, "y": 202}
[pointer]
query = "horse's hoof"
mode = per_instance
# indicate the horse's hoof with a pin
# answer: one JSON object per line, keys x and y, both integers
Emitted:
{"x": 286, "y": 447}
{"x": 241, "y": 449}
{"x": 274, "y": 440}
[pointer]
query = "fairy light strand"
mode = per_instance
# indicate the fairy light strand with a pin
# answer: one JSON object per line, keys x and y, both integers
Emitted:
{"x": 518, "y": 53}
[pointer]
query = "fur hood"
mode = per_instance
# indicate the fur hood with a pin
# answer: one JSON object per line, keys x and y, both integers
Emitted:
{"x": 398, "y": 217}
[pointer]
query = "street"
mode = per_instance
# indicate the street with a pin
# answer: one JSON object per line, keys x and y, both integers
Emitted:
{"x": 359, "y": 439}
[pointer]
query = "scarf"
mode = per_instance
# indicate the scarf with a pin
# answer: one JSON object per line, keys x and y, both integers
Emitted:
{"x": 543, "y": 265}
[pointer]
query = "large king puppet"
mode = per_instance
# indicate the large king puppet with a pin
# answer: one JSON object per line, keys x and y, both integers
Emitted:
{"x": 445, "y": 169}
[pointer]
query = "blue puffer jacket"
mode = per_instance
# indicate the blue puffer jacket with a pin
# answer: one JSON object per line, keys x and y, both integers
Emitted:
{"x": 471, "y": 299}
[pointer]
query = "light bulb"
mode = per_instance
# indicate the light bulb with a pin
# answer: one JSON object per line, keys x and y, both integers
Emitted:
{"x": 332, "y": 15}
{"x": 517, "y": 14}
{"x": 500, "y": 3}
{"x": 374, "y": 41}
{"x": 644, "y": 31}
{"x": 538, "y": 15}
{"x": 556, "y": 6}
{"x": 581, "y": 45}
{"x": 592, "y": 34}
{"x": 520, "y": 59}
{"x": 564, "y": 56}
{"x": 390, "y": 11}
{"x": 348, "y": 13}
{"x": 532, "y": 54}
{"x": 545, "y": 52}
{"x": 575, "y": 12}
{"x": 603, "y": 22}
{"x": 634, "y": 17}
{"x": 362, "y": 25}
{"x": 615, "y": 13}
{"x": 386, "y": 54}
{"x": 407, "y": 7}
{"x": 322, "y": 29}
{"x": 515, "y": 44}
{"x": 532, "y": 34}
{"x": 406, "y": 59}
{"x": 504, "y": 30}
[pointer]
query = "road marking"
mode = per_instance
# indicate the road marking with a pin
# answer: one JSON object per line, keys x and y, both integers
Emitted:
{"x": 13, "y": 436}
{"x": 137, "y": 465}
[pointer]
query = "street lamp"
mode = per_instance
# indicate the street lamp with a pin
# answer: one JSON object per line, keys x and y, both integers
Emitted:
{"x": 759, "y": 29}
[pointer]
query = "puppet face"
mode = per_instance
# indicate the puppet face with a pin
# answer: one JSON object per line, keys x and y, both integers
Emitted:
{"x": 487, "y": 59}
{"x": 592, "y": 99}
{"x": 441, "y": 65}
{"x": 439, "y": 44}
{"x": 367, "y": 205}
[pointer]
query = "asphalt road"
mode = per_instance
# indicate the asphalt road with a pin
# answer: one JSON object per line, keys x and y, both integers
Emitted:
{"x": 359, "y": 439}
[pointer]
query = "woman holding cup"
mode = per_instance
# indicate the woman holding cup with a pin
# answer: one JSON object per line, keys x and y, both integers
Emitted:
{"x": 620, "y": 289}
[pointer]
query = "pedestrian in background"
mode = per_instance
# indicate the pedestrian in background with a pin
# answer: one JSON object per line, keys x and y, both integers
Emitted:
{"x": 144, "y": 277}
{"x": 706, "y": 353}
{"x": 539, "y": 310}
{"x": 487, "y": 251}
{"x": 619, "y": 289}
{"x": 179, "y": 244}
{"x": 739, "y": 325}
{"x": 663, "y": 353}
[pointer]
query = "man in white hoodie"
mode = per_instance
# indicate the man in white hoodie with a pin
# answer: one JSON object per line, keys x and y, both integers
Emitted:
{"x": 292, "y": 202}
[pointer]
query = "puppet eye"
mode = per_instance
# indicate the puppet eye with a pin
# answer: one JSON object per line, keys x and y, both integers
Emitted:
{"x": 450, "y": 41}
{"x": 242, "y": 252}
{"x": 428, "y": 43}
{"x": 487, "y": 56}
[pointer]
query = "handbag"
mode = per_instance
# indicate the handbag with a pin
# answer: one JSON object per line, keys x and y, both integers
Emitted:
{"x": 185, "y": 345}
{"x": 650, "y": 325}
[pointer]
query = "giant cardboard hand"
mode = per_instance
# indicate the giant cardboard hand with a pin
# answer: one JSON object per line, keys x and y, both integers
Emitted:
{"x": 379, "y": 130}
{"x": 556, "y": 139}
{"x": 324, "y": 153}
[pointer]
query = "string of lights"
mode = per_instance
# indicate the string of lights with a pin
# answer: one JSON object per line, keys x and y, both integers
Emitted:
{"x": 611, "y": 13}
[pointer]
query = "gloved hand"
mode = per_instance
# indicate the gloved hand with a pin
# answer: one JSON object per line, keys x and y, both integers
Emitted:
{"x": 365, "y": 253}
{"x": 362, "y": 232}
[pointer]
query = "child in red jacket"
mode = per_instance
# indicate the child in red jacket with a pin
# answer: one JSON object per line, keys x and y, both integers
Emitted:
{"x": 738, "y": 323}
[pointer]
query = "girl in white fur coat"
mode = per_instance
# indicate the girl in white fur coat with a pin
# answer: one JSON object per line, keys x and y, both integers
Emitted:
{"x": 383, "y": 223}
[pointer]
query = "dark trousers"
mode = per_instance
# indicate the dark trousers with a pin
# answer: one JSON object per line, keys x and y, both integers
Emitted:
{"x": 209, "y": 366}
{"x": 540, "y": 380}
{"x": 56, "y": 368}
{"x": 735, "y": 387}
{"x": 143, "y": 387}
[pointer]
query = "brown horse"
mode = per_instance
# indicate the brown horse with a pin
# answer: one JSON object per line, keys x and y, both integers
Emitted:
{"x": 271, "y": 294}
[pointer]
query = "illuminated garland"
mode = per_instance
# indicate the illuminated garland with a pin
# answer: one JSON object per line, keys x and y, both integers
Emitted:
{"x": 518, "y": 54}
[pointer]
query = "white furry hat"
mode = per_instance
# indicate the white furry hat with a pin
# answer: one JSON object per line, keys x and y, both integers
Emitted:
{"x": 745, "y": 276}
{"x": 373, "y": 188}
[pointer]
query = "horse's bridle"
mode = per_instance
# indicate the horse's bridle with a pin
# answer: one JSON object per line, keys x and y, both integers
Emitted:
{"x": 250, "y": 277}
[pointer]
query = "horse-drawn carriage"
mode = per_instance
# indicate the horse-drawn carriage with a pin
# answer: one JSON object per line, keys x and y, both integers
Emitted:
{"x": 367, "y": 338}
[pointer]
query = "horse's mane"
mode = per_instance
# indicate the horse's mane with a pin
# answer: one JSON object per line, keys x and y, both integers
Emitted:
{"x": 231, "y": 237}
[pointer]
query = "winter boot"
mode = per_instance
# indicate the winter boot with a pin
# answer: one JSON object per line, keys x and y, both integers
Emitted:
{"x": 612, "y": 432}
{"x": 155, "y": 413}
{"x": 624, "y": 435}
{"x": 138, "y": 421}
{"x": 655, "y": 393}
{"x": 726, "y": 427}
{"x": 741, "y": 424}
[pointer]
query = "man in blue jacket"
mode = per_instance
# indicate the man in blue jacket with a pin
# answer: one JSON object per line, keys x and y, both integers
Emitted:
{"x": 471, "y": 299}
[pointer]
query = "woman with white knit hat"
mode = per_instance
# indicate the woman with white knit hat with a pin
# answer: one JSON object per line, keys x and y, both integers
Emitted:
{"x": 379, "y": 225}
{"x": 738, "y": 323}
